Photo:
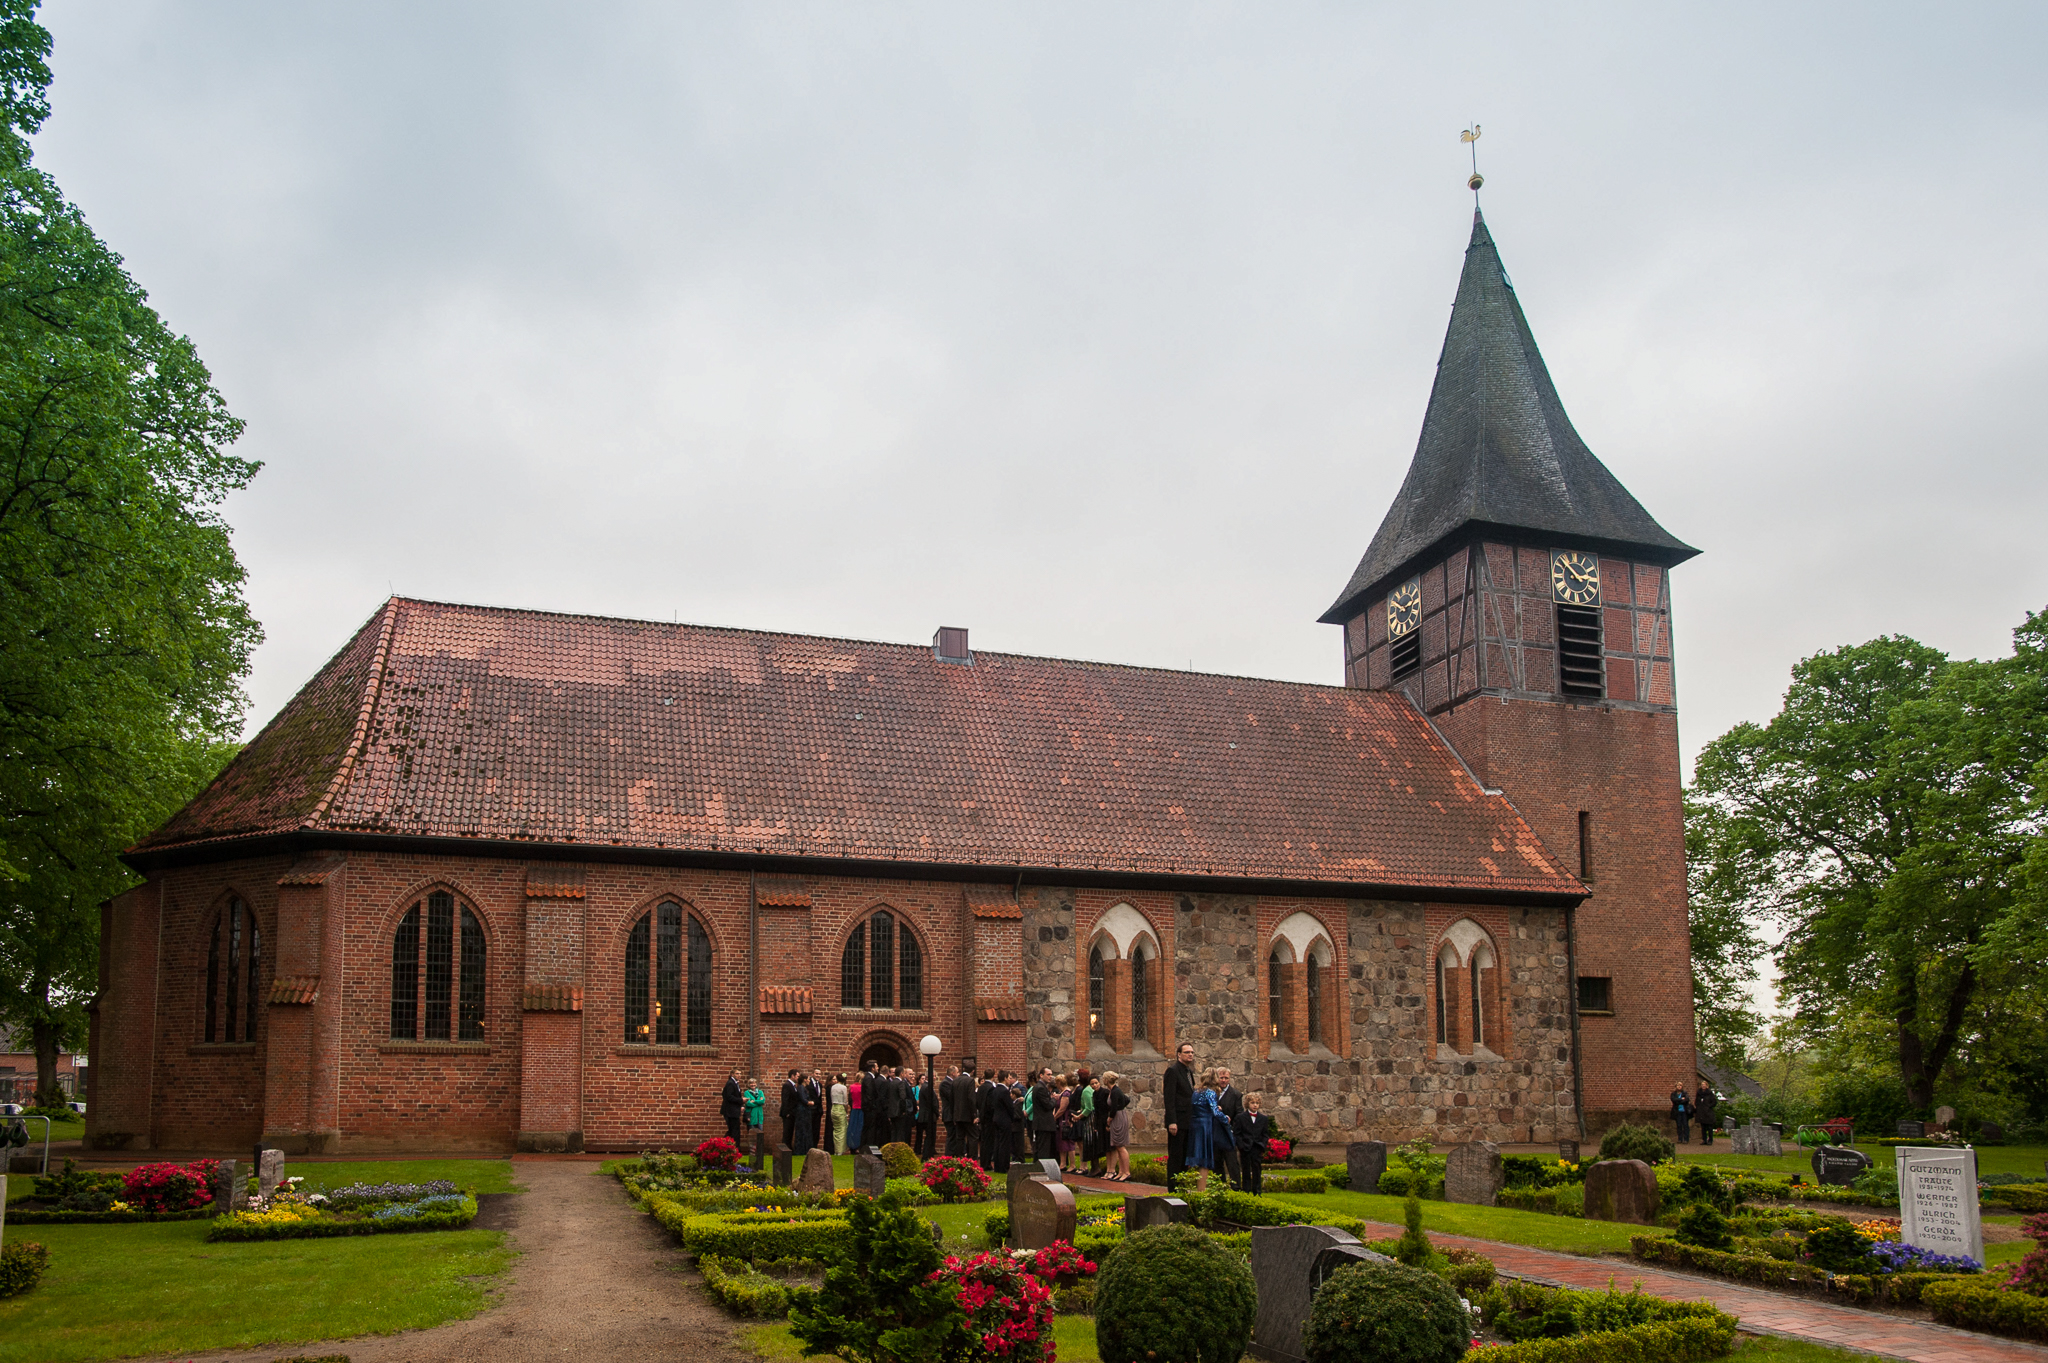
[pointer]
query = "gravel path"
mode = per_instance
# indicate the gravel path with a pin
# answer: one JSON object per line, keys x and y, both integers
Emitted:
{"x": 595, "y": 1280}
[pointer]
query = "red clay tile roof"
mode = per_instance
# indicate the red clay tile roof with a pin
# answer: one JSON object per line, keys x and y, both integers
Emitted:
{"x": 552, "y": 998}
{"x": 313, "y": 871}
{"x": 295, "y": 989}
{"x": 998, "y": 1010}
{"x": 784, "y": 998}
{"x": 782, "y": 892}
{"x": 993, "y": 901}
{"x": 472, "y": 722}
{"x": 554, "y": 882}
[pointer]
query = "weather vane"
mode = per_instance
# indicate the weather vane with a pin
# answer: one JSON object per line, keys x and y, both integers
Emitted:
{"x": 1470, "y": 137}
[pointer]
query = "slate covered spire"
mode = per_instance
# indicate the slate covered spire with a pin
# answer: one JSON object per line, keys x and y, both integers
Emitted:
{"x": 1497, "y": 450}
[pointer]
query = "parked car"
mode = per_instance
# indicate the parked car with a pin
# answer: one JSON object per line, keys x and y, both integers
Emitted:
{"x": 10, "y": 1109}
{"x": 75, "y": 1106}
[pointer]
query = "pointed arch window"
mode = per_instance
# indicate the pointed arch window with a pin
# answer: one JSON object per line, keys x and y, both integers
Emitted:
{"x": 234, "y": 974}
{"x": 668, "y": 979}
{"x": 1276, "y": 996}
{"x": 881, "y": 965}
{"x": 437, "y": 994}
{"x": 1095, "y": 991}
{"x": 1315, "y": 1000}
{"x": 1141, "y": 991}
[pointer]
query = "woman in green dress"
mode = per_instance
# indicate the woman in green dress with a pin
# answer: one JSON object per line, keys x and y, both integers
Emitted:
{"x": 756, "y": 1102}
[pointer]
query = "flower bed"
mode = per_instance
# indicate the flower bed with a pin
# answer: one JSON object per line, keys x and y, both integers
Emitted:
{"x": 955, "y": 1179}
{"x": 1896, "y": 1289}
{"x": 288, "y": 1216}
{"x": 1009, "y": 1310}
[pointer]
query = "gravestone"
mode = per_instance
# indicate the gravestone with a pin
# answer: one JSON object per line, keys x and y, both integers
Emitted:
{"x": 817, "y": 1175}
{"x": 1025, "y": 1170}
{"x": 781, "y": 1177}
{"x": 1728, "y": 1124}
{"x": 1912, "y": 1131}
{"x": 1288, "y": 1264}
{"x": 1474, "y": 1174}
{"x": 1569, "y": 1151}
{"x": 1040, "y": 1213}
{"x": 1944, "y": 1117}
{"x": 1621, "y": 1190}
{"x": 1366, "y": 1161}
{"x": 269, "y": 1169}
{"x": 1990, "y": 1133}
{"x": 1938, "y": 1201}
{"x": 765, "y": 1146}
{"x": 870, "y": 1174}
{"x": 1142, "y": 1212}
{"x": 1838, "y": 1165}
{"x": 230, "y": 1191}
{"x": 1758, "y": 1138}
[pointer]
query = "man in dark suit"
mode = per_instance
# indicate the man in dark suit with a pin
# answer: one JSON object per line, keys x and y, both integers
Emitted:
{"x": 960, "y": 1116}
{"x": 732, "y": 1106}
{"x": 1231, "y": 1101}
{"x": 1002, "y": 1107}
{"x": 985, "y": 1113}
{"x": 1178, "y": 1109}
{"x": 906, "y": 1105}
{"x": 792, "y": 1104}
{"x": 927, "y": 1119}
{"x": 1044, "y": 1107}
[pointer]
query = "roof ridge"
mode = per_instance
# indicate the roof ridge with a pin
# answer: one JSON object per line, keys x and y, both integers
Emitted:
{"x": 865, "y": 643}
{"x": 372, "y": 688}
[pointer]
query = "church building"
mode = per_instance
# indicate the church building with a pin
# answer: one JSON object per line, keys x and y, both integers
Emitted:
{"x": 501, "y": 879}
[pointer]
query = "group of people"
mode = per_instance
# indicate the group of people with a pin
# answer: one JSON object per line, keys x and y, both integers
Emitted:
{"x": 1212, "y": 1126}
{"x": 1702, "y": 1106}
{"x": 837, "y": 1112}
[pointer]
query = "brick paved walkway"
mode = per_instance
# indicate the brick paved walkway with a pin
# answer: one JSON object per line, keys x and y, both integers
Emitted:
{"x": 1760, "y": 1311}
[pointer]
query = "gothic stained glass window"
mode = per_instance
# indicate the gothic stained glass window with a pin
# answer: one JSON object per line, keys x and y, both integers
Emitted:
{"x": 909, "y": 973}
{"x": 668, "y": 975}
{"x": 1315, "y": 1001}
{"x": 470, "y": 1025}
{"x": 853, "y": 969}
{"x": 700, "y": 985}
{"x": 636, "y": 984}
{"x": 1095, "y": 990}
{"x": 405, "y": 977}
{"x": 234, "y": 984}
{"x": 440, "y": 963}
{"x": 882, "y": 961}
{"x": 1141, "y": 993}
{"x": 1276, "y": 998}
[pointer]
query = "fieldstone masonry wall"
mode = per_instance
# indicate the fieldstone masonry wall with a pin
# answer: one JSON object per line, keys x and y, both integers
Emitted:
{"x": 1049, "y": 981}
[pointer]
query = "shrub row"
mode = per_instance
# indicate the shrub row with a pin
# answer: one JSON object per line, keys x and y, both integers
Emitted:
{"x": 1566, "y": 1199}
{"x": 2020, "y": 1197}
{"x": 1898, "y": 1289}
{"x": 54, "y": 1216}
{"x": 233, "y": 1227}
{"x": 1662, "y": 1332}
{"x": 743, "y": 1289}
{"x": 21, "y": 1266}
{"x": 1962, "y": 1302}
{"x": 791, "y": 1234}
{"x": 1295, "y": 1183}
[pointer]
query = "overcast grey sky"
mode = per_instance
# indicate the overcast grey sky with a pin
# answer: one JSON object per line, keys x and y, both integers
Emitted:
{"x": 1104, "y": 330}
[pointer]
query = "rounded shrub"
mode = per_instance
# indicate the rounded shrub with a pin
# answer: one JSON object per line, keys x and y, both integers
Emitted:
{"x": 1636, "y": 1142}
{"x": 900, "y": 1160}
{"x": 1385, "y": 1313}
{"x": 22, "y": 1264}
{"x": 1171, "y": 1294}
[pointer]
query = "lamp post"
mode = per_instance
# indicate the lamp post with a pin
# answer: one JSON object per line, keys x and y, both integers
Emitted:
{"x": 931, "y": 1047}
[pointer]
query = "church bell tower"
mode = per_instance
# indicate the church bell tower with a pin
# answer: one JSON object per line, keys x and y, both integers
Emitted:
{"x": 1521, "y": 598}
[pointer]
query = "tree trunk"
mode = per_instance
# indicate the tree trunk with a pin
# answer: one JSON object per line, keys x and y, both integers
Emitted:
{"x": 46, "y": 1037}
{"x": 1920, "y": 1065}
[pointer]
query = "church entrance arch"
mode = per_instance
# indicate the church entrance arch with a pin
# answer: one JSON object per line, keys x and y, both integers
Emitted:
{"x": 884, "y": 1053}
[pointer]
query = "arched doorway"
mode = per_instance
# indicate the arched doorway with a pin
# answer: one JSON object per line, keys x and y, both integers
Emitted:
{"x": 881, "y": 1053}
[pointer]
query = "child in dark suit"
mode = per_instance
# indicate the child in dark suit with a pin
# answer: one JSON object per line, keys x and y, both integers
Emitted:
{"x": 1254, "y": 1129}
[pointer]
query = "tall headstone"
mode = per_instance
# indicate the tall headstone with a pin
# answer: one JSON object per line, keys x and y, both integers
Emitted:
{"x": 1758, "y": 1138}
{"x": 1944, "y": 1117}
{"x": 1621, "y": 1190}
{"x": 1288, "y": 1264}
{"x": 230, "y": 1189}
{"x": 870, "y": 1173}
{"x": 1141, "y": 1212}
{"x": 1938, "y": 1201}
{"x": 1365, "y": 1161}
{"x": 781, "y": 1177}
{"x": 269, "y": 1169}
{"x": 1568, "y": 1150}
{"x": 1040, "y": 1213}
{"x": 817, "y": 1174}
{"x": 1474, "y": 1174}
{"x": 1838, "y": 1165}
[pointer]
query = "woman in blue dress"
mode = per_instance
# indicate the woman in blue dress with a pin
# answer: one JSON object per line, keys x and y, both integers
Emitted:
{"x": 1202, "y": 1132}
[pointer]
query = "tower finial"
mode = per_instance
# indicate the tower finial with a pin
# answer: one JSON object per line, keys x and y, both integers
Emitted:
{"x": 1470, "y": 137}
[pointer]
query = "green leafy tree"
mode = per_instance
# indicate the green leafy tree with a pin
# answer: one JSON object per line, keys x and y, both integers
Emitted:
{"x": 123, "y": 633}
{"x": 1726, "y": 947}
{"x": 878, "y": 1303}
{"x": 1885, "y": 818}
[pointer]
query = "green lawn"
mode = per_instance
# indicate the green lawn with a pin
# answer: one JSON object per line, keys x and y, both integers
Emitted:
{"x": 1762, "y": 1348}
{"x": 1991, "y": 1159}
{"x": 114, "y": 1291}
{"x": 1539, "y": 1230}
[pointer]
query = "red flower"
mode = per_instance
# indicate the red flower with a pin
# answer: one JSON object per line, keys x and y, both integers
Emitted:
{"x": 1278, "y": 1150}
{"x": 718, "y": 1153}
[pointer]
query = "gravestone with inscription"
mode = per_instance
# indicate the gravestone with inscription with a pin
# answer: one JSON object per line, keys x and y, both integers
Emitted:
{"x": 269, "y": 1169}
{"x": 817, "y": 1174}
{"x": 1024, "y": 1170}
{"x": 1474, "y": 1174}
{"x": 230, "y": 1188}
{"x": 1569, "y": 1151}
{"x": 870, "y": 1174}
{"x": 1040, "y": 1213}
{"x": 1758, "y": 1138}
{"x": 1912, "y": 1131}
{"x": 1288, "y": 1264}
{"x": 1621, "y": 1190}
{"x": 1365, "y": 1161}
{"x": 1140, "y": 1212}
{"x": 1838, "y": 1165}
{"x": 1938, "y": 1201}
{"x": 1944, "y": 1117}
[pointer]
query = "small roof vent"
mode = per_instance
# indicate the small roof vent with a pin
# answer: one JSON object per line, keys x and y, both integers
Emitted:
{"x": 949, "y": 645}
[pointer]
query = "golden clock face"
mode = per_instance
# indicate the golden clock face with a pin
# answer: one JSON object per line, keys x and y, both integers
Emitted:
{"x": 1575, "y": 577}
{"x": 1404, "y": 608}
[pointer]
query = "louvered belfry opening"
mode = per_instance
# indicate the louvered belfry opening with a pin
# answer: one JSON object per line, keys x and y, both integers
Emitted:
{"x": 1406, "y": 655}
{"x": 1579, "y": 670}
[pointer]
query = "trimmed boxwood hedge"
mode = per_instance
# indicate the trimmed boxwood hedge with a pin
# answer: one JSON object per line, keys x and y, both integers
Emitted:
{"x": 1898, "y": 1289}
{"x": 1678, "y": 1332}
{"x": 793, "y": 1234}
{"x": 1311, "y": 1182}
{"x": 21, "y": 1266}
{"x": 2021, "y": 1197}
{"x": 54, "y": 1216}
{"x": 1967, "y": 1303}
{"x": 741, "y": 1288}
{"x": 440, "y": 1218}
